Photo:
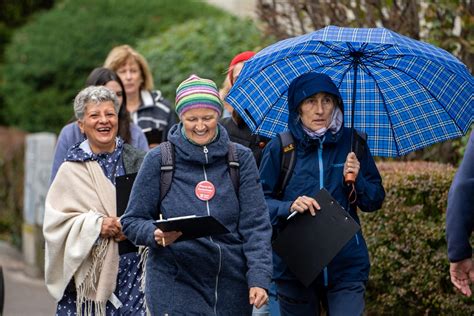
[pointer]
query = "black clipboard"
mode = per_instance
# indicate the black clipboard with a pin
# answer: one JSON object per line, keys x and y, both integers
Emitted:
{"x": 123, "y": 188}
{"x": 192, "y": 226}
{"x": 308, "y": 243}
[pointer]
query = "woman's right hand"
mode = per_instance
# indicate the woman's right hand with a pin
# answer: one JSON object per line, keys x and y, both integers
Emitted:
{"x": 305, "y": 203}
{"x": 110, "y": 227}
{"x": 166, "y": 238}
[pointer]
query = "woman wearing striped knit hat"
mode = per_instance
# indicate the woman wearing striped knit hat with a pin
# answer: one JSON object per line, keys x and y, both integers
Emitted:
{"x": 218, "y": 275}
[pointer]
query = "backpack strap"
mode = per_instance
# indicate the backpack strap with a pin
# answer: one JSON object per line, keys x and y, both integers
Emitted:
{"x": 288, "y": 159}
{"x": 167, "y": 168}
{"x": 234, "y": 166}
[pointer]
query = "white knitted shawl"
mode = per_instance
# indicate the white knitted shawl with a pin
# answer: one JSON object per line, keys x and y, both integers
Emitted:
{"x": 78, "y": 198}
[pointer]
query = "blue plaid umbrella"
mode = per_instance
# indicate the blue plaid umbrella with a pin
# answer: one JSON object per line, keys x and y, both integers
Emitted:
{"x": 408, "y": 94}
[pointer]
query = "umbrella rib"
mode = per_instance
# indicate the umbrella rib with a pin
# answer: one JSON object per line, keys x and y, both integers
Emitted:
{"x": 336, "y": 63}
{"x": 377, "y": 52}
{"x": 341, "y": 53}
{"x": 352, "y": 49}
{"x": 373, "y": 60}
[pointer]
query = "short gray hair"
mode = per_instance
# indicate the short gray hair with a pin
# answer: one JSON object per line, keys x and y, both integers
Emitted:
{"x": 93, "y": 94}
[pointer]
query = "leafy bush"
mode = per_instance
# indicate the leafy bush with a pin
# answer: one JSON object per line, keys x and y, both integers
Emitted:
{"x": 406, "y": 240}
{"x": 203, "y": 47}
{"x": 49, "y": 59}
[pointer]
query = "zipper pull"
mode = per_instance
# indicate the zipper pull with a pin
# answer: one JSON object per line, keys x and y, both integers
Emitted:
{"x": 205, "y": 150}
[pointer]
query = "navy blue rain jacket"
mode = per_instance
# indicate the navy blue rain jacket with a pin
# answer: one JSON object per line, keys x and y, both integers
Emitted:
{"x": 319, "y": 164}
{"x": 205, "y": 276}
{"x": 460, "y": 211}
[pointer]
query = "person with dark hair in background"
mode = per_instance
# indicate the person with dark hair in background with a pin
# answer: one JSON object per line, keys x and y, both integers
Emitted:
{"x": 323, "y": 158}
{"x": 85, "y": 271}
{"x": 128, "y": 131}
{"x": 148, "y": 108}
{"x": 460, "y": 223}
{"x": 223, "y": 274}
{"x": 236, "y": 127}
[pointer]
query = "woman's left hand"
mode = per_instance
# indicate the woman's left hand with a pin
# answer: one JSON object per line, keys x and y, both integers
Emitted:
{"x": 351, "y": 165}
{"x": 258, "y": 296}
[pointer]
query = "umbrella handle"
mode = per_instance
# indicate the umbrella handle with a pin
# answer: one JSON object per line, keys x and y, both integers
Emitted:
{"x": 349, "y": 178}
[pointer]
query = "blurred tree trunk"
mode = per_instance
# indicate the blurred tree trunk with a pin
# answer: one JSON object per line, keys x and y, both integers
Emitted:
{"x": 12, "y": 153}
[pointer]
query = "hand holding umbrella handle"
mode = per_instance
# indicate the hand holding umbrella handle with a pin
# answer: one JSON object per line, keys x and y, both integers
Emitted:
{"x": 349, "y": 179}
{"x": 351, "y": 167}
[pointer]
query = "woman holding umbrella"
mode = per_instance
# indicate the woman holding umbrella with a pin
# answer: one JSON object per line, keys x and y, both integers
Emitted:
{"x": 323, "y": 158}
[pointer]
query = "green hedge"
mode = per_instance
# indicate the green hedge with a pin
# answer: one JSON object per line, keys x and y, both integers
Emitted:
{"x": 407, "y": 246}
{"x": 49, "y": 58}
{"x": 203, "y": 47}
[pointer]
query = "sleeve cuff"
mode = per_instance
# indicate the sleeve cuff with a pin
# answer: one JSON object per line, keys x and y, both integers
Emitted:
{"x": 284, "y": 209}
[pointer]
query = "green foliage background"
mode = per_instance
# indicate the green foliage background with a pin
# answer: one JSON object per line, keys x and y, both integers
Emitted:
{"x": 14, "y": 13}
{"x": 49, "y": 59}
{"x": 203, "y": 47}
{"x": 407, "y": 245}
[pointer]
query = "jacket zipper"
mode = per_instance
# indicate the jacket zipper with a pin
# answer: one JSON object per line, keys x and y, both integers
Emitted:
{"x": 206, "y": 151}
{"x": 321, "y": 185}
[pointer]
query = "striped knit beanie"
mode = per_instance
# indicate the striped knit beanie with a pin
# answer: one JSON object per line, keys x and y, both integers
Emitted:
{"x": 197, "y": 93}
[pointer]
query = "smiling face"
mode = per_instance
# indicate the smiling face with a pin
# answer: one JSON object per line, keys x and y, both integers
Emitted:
{"x": 316, "y": 111}
{"x": 100, "y": 125}
{"x": 131, "y": 76}
{"x": 200, "y": 125}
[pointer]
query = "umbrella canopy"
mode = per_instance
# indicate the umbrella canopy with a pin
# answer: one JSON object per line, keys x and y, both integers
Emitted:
{"x": 408, "y": 94}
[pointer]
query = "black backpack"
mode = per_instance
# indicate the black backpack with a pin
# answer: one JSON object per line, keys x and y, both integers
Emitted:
{"x": 288, "y": 158}
{"x": 167, "y": 167}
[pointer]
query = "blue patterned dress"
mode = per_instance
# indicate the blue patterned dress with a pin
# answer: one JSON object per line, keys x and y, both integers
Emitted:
{"x": 129, "y": 273}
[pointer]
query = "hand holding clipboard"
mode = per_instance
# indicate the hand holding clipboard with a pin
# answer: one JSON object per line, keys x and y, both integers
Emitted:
{"x": 166, "y": 238}
{"x": 308, "y": 243}
{"x": 191, "y": 227}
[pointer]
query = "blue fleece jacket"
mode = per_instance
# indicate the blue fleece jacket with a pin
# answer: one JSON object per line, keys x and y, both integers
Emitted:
{"x": 208, "y": 276}
{"x": 460, "y": 211}
{"x": 319, "y": 164}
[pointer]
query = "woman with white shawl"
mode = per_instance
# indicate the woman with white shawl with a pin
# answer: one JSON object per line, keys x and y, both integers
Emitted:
{"x": 84, "y": 271}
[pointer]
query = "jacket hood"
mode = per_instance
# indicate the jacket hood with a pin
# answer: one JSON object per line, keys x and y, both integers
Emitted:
{"x": 195, "y": 153}
{"x": 303, "y": 87}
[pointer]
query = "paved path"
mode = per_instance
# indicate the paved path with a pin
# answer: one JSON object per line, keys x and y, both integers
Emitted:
{"x": 24, "y": 295}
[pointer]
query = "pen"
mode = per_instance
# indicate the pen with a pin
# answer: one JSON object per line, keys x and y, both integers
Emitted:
{"x": 291, "y": 215}
{"x": 162, "y": 238}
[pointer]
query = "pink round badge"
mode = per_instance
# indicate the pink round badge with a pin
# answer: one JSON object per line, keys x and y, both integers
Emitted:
{"x": 205, "y": 190}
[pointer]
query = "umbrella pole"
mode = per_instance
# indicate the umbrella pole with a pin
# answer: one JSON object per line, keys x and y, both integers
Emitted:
{"x": 354, "y": 91}
{"x": 350, "y": 177}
